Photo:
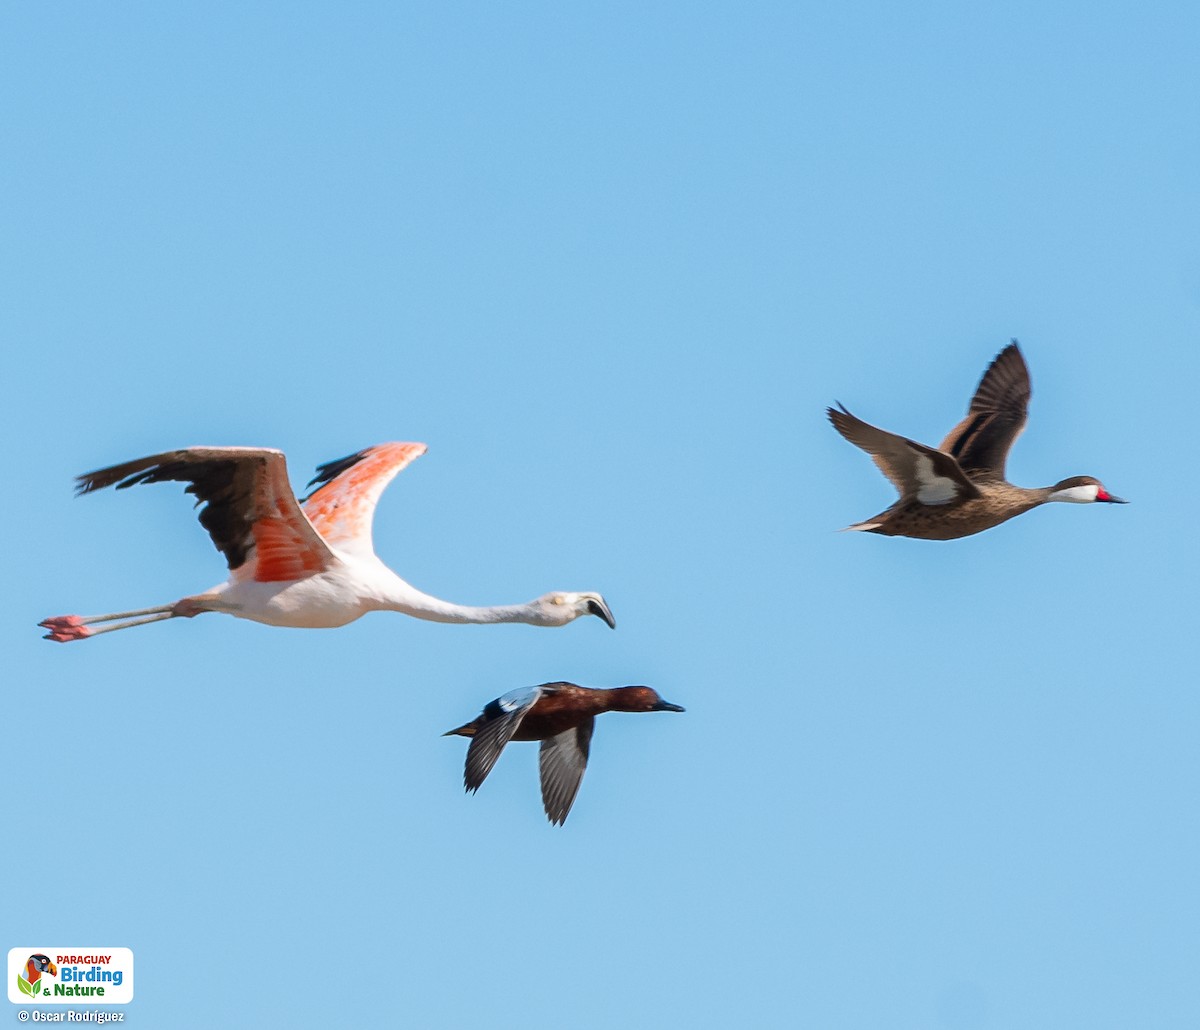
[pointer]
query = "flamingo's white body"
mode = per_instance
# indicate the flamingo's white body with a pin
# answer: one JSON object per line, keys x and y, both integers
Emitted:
{"x": 309, "y": 565}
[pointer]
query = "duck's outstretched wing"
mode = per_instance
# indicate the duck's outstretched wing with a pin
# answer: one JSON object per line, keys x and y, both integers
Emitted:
{"x": 562, "y": 761}
{"x": 498, "y": 723}
{"x": 342, "y": 507}
{"x": 998, "y": 412}
{"x": 248, "y": 508}
{"x": 918, "y": 472}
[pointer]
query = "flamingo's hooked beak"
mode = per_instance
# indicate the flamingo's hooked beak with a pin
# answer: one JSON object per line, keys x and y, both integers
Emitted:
{"x": 599, "y": 607}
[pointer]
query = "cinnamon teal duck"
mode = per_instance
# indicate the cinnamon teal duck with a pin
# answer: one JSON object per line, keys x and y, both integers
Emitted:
{"x": 561, "y": 715}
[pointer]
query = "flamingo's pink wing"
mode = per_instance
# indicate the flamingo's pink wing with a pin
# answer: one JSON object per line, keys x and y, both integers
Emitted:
{"x": 247, "y": 506}
{"x": 343, "y": 505}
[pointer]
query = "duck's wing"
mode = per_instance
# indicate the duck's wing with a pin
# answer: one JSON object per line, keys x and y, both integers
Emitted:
{"x": 343, "y": 505}
{"x": 500, "y": 720}
{"x": 561, "y": 761}
{"x": 998, "y": 412}
{"x": 248, "y": 508}
{"x": 918, "y": 472}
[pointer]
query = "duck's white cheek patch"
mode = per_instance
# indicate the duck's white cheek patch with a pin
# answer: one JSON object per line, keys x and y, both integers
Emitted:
{"x": 934, "y": 489}
{"x": 1077, "y": 494}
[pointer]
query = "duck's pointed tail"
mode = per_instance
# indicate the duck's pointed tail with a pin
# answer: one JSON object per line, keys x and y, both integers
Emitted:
{"x": 862, "y": 527}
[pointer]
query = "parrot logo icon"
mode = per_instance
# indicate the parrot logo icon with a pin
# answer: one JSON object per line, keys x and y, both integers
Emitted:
{"x": 30, "y": 981}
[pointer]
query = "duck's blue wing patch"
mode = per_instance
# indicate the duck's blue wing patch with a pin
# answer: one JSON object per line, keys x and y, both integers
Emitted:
{"x": 501, "y": 719}
{"x": 513, "y": 701}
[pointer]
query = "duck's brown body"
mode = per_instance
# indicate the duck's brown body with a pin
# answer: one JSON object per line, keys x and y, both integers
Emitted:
{"x": 959, "y": 488}
{"x": 998, "y": 503}
{"x": 553, "y": 713}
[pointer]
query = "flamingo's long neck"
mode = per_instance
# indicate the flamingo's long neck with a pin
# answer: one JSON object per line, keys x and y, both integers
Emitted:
{"x": 407, "y": 599}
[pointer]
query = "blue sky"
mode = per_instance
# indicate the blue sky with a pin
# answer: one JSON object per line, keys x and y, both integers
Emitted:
{"x": 611, "y": 262}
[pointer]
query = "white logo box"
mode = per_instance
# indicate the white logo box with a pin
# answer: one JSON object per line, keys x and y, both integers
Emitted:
{"x": 80, "y": 976}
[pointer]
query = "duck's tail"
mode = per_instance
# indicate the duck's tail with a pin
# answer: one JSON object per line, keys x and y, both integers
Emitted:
{"x": 862, "y": 527}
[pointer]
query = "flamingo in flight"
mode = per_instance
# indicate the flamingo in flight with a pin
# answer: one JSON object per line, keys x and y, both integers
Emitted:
{"x": 307, "y": 563}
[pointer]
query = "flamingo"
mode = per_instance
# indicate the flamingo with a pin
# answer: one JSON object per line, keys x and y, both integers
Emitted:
{"x": 308, "y": 563}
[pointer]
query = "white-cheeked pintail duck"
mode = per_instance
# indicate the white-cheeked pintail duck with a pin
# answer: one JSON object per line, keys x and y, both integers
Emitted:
{"x": 959, "y": 488}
